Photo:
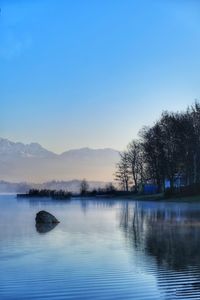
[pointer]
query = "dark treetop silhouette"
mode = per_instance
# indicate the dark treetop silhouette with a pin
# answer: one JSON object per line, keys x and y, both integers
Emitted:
{"x": 167, "y": 151}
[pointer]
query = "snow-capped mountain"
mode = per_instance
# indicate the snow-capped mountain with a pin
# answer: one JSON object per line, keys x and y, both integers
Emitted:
{"x": 33, "y": 163}
{"x": 23, "y": 150}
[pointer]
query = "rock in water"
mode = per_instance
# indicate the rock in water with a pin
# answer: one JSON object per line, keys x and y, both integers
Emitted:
{"x": 45, "y": 227}
{"x": 44, "y": 217}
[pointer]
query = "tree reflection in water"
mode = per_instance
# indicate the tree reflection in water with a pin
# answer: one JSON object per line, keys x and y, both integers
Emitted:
{"x": 171, "y": 234}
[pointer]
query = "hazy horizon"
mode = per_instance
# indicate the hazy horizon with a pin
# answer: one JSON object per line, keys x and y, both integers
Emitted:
{"x": 33, "y": 163}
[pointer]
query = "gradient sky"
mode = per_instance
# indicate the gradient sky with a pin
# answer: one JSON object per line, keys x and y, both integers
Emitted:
{"x": 78, "y": 73}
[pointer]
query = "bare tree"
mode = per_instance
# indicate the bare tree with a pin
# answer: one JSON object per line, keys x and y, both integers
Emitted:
{"x": 122, "y": 174}
{"x": 84, "y": 187}
{"x": 110, "y": 188}
{"x": 135, "y": 162}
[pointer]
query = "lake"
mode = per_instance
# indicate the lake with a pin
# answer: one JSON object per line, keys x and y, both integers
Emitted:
{"x": 101, "y": 249}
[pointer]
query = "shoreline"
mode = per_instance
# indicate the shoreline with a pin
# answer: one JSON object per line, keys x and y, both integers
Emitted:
{"x": 132, "y": 197}
{"x": 162, "y": 198}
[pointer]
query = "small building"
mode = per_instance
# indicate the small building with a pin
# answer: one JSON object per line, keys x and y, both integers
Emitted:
{"x": 179, "y": 181}
{"x": 148, "y": 188}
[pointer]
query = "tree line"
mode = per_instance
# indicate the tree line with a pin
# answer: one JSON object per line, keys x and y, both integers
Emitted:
{"x": 167, "y": 150}
{"x": 46, "y": 193}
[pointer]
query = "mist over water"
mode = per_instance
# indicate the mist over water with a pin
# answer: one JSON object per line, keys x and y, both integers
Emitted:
{"x": 101, "y": 249}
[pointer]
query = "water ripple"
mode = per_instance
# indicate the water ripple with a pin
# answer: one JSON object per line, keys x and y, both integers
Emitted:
{"x": 125, "y": 251}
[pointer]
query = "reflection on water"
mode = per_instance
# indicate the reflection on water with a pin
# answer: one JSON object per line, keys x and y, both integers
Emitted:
{"x": 171, "y": 234}
{"x": 101, "y": 249}
{"x": 45, "y": 227}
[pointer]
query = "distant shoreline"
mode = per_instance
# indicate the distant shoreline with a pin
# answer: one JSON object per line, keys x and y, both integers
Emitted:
{"x": 45, "y": 193}
{"x": 131, "y": 197}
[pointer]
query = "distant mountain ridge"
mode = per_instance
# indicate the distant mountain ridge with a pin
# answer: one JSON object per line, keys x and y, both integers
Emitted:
{"x": 25, "y": 150}
{"x": 33, "y": 163}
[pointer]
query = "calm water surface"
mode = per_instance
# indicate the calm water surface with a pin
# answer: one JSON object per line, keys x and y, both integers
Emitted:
{"x": 101, "y": 249}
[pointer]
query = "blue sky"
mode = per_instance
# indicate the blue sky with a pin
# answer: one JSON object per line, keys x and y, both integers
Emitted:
{"x": 78, "y": 73}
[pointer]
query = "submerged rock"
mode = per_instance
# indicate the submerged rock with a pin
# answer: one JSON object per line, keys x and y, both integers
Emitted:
{"x": 45, "y": 227}
{"x": 45, "y": 217}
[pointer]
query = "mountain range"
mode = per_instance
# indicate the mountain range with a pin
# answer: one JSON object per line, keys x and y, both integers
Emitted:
{"x": 33, "y": 163}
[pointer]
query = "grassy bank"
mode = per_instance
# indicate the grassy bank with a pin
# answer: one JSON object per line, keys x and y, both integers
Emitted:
{"x": 161, "y": 197}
